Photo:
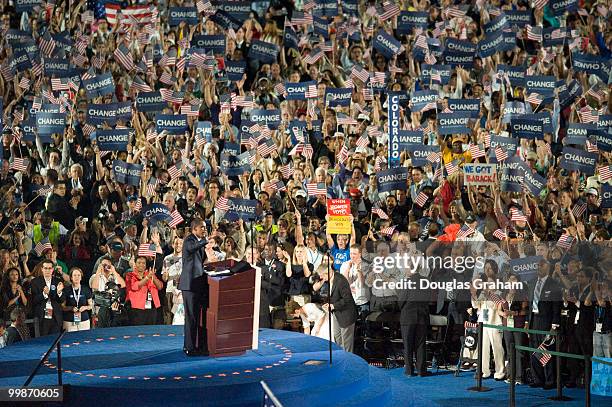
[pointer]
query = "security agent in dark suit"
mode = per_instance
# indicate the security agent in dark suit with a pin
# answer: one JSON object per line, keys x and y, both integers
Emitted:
{"x": 47, "y": 297}
{"x": 414, "y": 320}
{"x": 272, "y": 298}
{"x": 545, "y": 315}
{"x": 194, "y": 285}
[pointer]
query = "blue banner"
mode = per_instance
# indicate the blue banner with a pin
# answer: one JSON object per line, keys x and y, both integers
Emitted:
{"x": 320, "y": 27}
{"x": 239, "y": 10}
{"x": 409, "y": 138}
{"x": 263, "y": 51}
{"x": 606, "y": 196}
{"x": 573, "y": 159}
{"x": 526, "y": 268}
{"x": 506, "y": 143}
{"x": 328, "y": 8}
{"x": 28, "y": 128}
{"x": 245, "y": 209}
{"x": 518, "y": 18}
{"x": 527, "y": 127}
{"x": 559, "y": 7}
{"x": 460, "y": 46}
{"x": 419, "y": 154}
{"x": 496, "y": 25}
{"x": 392, "y": 179}
{"x": 50, "y": 123}
{"x": 173, "y": 123}
{"x": 567, "y": 97}
{"x": 386, "y": 44}
{"x": 235, "y": 70}
{"x": 123, "y": 111}
{"x": 20, "y": 62}
{"x": 271, "y": 118}
{"x": 444, "y": 71}
{"x": 56, "y": 66}
{"x": 540, "y": 84}
{"x": 408, "y": 20}
{"x": 25, "y": 6}
{"x": 453, "y": 123}
{"x": 210, "y": 43}
{"x": 297, "y": 90}
{"x": 511, "y": 179}
{"x": 178, "y": 14}
{"x": 235, "y": 165}
{"x": 156, "y": 212}
{"x": 112, "y": 140}
{"x": 592, "y": 64}
{"x": 203, "y": 130}
{"x": 421, "y": 98}
{"x": 290, "y": 38}
{"x": 577, "y": 133}
{"x": 534, "y": 182}
{"x": 546, "y": 119}
{"x": 601, "y": 379}
{"x": 547, "y": 36}
{"x": 469, "y": 106}
{"x": 126, "y": 173}
{"x": 150, "y": 102}
{"x": 509, "y": 42}
{"x": 100, "y": 85}
{"x": 516, "y": 74}
{"x": 454, "y": 59}
{"x": 300, "y": 125}
{"x": 338, "y": 96}
{"x": 350, "y": 7}
{"x": 98, "y": 114}
{"x": 393, "y": 117}
{"x": 491, "y": 44}
{"x": 225, "y": 21}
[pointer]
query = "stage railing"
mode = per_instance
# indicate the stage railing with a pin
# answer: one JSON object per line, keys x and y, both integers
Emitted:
{"x": 269, "y": 399}
{"x": 56, "y": 344}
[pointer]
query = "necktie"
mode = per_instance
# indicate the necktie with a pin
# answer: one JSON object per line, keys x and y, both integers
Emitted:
{"x": 536, "y": 295}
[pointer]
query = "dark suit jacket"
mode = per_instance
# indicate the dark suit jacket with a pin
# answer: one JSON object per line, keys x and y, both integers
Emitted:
{"x": 39, "y": 302}
{"x": 273, "y": 283}
{"x": 12, "y": 335}
{"x": 549, "y": 306}
{"x": 414, "y": 304}
{"x": 193, "y": 277}
{"x": 345, "y": 309}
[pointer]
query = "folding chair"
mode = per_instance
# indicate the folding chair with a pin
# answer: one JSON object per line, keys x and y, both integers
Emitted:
{"x": 436, "y": 341}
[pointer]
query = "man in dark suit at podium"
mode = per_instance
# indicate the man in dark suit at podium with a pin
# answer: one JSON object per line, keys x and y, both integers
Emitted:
{"x": 194, "y": 284}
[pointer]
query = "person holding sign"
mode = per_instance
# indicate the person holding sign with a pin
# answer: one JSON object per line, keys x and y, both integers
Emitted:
{"x": 340, "y": 251}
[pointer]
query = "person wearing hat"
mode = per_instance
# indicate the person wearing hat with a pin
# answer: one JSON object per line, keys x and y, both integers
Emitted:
{"x": 456, "y": 152}
{"x": 592, "y": 197}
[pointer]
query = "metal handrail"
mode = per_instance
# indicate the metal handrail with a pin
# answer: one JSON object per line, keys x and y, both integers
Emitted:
{"x": 56, "y": 343}
{"x": 524, "y": 330}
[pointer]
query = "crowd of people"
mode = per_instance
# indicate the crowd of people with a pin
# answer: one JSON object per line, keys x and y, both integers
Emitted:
{"x": 123, "y": 122}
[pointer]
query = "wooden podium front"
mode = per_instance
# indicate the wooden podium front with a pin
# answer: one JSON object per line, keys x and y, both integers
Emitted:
{"x": 232, "y": 318}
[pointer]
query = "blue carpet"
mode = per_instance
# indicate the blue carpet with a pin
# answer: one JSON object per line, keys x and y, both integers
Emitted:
{"x": 138, "y": 366}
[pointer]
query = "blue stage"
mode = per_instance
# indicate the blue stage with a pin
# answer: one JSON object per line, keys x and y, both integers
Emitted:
{"x": 137, "y": 366}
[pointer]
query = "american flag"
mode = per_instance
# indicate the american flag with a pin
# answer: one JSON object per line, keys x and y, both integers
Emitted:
{"x": 146, "y": 250}
{"x": 152, "y": 186}
{"x": 116, "y": 14}
{"x": 421, "y": 42}
{"x": 16, "y": 132}
{"x": 363, "y": 141}
{"x": 455, "y": 11}
{"x": 314, "y": 188}
{"x": 311, "y": 91}
{"x": 190, "y": 110}
{"x": 174, "y": 172}
{"x": 539, "y": 4}
{"x": 497, "y": 300}
{"x": 124, "y": 57}
{"x": 579, "y": 209}
{"x": 19, "y": 164}
{"x": 286, "y": 170}
{"x": 435, "y": 76}
{"x": 588, "y": 115}
{"x": 464, "y": 232}
{"x": 343, "y": 154}
{"x": 452, "y": 167}
{"x": 24, "y": 83}
{"x": 433, "y": 157}
{"x": 222, "y": 204}
{"x": 344, "y": 119}
{"x": 300, "y": 18}
{"x": 326, "y": 46}
{"x": 59, "y": 84}
{"x": 175, "y": 219}
{"x": 476, "y": 151}
{"x": 368, "y": 94}
{"x": 543, "y": 358}
{"x": 313, "y": 56}
{"x": 42, "y": 246}
{"x": 597, "y": 93}
{"x": 390, "y": 10}
{"x": 558, "y": 34}
{"x": 500, "y": 154}
{"x": 517, "y": 215}
{"x": 430, "y": 59}
{"x": 266, "y": 148}
{"x": 591, "y": 146}
{"x": 378, "y": 77}
{"x": 421, "y": 199}
{"x": 204, "y": 6}
{"x": 168, "y": 95}
{"x": 278, "y": 185}
{"x": 388, "y": 231}
{"x": 534, "y": 33}
{"x": 279, "y": 88}
{"x": 380, "y": 213}
{"x": 167, "y": 78}
{"x": 500, "y": 234}
{"x": 605, "y": 173}
{"x": 394, "y": 69}
{"x": 534, "y": 98}
{"x": 46, "y": 44}
{"x": 242, "y": 101}
{"x": 360, "y": 73}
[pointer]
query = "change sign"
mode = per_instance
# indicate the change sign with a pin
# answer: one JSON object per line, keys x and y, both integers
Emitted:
{"x": 480, "y": 174}
{"x": 392, "y": 179}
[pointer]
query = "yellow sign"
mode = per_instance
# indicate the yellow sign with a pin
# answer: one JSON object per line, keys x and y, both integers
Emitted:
{"x": 339, "y": 225}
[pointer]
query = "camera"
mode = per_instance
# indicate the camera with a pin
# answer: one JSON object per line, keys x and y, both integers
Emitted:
{"x": 19, "y": 227}
{"x": 110, "y": 295}
{"x": 103, "y": 214}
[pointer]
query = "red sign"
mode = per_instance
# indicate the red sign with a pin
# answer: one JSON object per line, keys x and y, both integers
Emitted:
{"x": 339, "y": 207}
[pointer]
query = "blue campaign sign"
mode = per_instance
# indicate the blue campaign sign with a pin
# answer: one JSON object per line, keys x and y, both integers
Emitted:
{"x": 606, "y": 196}
{"x": 456, "y": 58}
{"x": 491, "y": 44}
{"x": 540, "y": 84}
{"x": 50, "y": 123}
{"x": 328, "y": 8}
{"x": 239, "y": 10}
{"x": 321, "y": 27}
{"x": 176, "y": 15}
{"x": 392, "y": 179}
{"x": 547, "y": 36}
{"x": 156, "y": 212}
{"x": 460, "y": 46}
{"x": 338, "y": 96}
{"x": 350, "y": 7}
{"x": 420, "y": 99}
{"x": 235, "y": 165}
{"x": 444, "y": 71}
{"x": 511, "y": 179}
{"x": 297, "y": 90}
{"x": 567, "y": 97}
{"x": 99, "y": 85}
{"x": 291, "y": 39}
{"x": 386, "y": 44}
{"x": 509, "y": 42}
{"x": 469, "y": 106}
{"x": 245, "y": 209}
{"x": 235, "y": 70}
{"x": 573, "y": 159}
{"x": 526, "y": 268}
{"x": 56, "y": 66}
{"x": 577, "y": 133}
{"x": 516, "y": 74}
{"x": 496, "y": 25}
{"x": 527, "y": 127}
{"x": 419, "y": 154}
{"x": 534, "y": 182}
{"x": 271, "y": 118}
{"x": 126, "y": 173}
{"x": 409, "y": 138}
{"x": 150, "y": 102}
{"x": 98, "y": 114}
{"x": 25, "y": 6}
{"x": 513, "y": 109}
{"x": 560, "y": 7}
{"x": 453, "y": 123}
{"x": 123, "y": 111}
{"x": 225, "y": 21}
{"x": 210, "y": 43}
{"x": 506, "y": 143}
{"x": 546, "y": 119}
{"x": 592, "y": 64}
{"x": 264, "y": 51}
{"x": 296, "y": 126}
{"x": 518, "y": 18}
{"x": 113, "y": 139}
{"x": 28, "y": 128}
{"x": 408, "y": 20}
{"x": 203, "y": 130}
{"x": 171, "y": 123}
{"x": 393, "y": 116}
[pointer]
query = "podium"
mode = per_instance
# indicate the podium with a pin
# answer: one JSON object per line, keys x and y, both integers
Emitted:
{"x": 232, "y": 318}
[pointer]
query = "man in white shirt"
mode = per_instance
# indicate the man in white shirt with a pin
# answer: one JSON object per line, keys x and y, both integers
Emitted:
{"x": 354, "y": 270}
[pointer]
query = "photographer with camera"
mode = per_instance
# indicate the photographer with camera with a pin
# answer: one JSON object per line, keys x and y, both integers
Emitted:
{"x": 106, "y": 284}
